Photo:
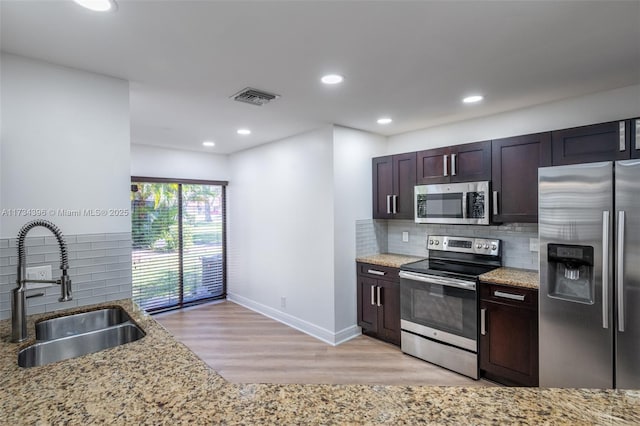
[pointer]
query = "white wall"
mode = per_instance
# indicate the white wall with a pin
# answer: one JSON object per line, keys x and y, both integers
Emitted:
{"x": 280, "y": 239}
{"x": 65, "y": 145}
{"x": 595, "y": 108}
{"x": 352, "y": 153}
{"x": 149, "y": 161}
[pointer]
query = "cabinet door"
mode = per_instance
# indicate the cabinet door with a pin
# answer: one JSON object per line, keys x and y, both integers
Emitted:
{"x": 367, "y": 304}
{"x": 508, "y": 347}
{"x": 433, "y": 166}
{"x": 382, "y": 187}
{"x": 515, "y": 176}
{"x": 635, "y": 138}
{"x": 389, "y": 314}
{"x": 404, "y": 179}
{"x": 471, "y": 162}
{"x": 589, "y": 144}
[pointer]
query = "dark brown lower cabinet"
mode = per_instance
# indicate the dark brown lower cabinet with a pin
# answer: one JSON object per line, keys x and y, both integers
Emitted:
{"x": 379, "y": 302}
{"x": 509, "y": 334}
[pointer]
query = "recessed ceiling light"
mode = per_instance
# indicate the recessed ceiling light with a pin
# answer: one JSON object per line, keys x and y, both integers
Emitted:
{"x": 472, "y": 99}
{"x": 98, "y": 5}
{"x": 208, "y": 143}
{"x": 384, "y": 120}
{"x": 332, "y": 79}
{"x": 244, "y": 131}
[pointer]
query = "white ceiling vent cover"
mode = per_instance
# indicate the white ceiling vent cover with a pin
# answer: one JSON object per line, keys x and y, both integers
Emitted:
{"x": 254, "y": 96}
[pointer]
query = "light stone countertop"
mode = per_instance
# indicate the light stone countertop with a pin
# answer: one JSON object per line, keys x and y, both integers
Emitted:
{"x": 157, "y": 380}
{"x": 513, "y": 277}
{"x": 388, "y": 259}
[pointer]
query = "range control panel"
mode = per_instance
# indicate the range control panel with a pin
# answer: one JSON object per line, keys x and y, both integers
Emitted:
{"x": 464, "y": 245}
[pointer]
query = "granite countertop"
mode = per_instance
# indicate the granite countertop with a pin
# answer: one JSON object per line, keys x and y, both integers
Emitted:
{"x": 513, "y": 277}
{"x": 388, "y": 259}
{"x": 157, "y": 380}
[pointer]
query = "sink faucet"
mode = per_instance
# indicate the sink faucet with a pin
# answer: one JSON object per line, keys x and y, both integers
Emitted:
{"x": 18, "y": 305}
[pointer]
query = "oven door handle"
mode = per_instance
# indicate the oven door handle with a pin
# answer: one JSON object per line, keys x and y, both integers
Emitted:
{"x": 449, "y": 282}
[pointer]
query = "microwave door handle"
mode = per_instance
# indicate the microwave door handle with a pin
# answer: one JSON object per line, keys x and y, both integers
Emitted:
{"x": 465, "y": 213}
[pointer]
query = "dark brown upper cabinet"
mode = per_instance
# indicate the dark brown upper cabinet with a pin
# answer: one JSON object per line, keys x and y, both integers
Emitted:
{"x": 459, "y": 163}
{"x": 394, "y": 177}
{"x": 515, "y": 176}
{"x": 593, "y": 143}
{"x": 635, "y": 138}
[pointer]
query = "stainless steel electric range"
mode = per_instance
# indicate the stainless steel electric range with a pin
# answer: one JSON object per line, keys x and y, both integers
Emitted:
{"x": 439, "y": 301}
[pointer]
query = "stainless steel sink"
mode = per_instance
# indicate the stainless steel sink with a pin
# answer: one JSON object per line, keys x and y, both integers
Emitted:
{"x": 48, "y": 351}
{"x": 84, "y": 322}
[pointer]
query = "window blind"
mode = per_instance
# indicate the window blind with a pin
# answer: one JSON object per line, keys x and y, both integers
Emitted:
{"x": 178, "y": 243}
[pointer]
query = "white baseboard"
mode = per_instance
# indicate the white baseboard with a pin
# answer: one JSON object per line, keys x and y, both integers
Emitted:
{"x": 306, "y": 327}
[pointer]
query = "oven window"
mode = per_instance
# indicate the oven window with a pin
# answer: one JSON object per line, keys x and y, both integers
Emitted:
{"x": 440, "y": 205}
{"x": 445, "y": 308}
{"x": 434, "y": 308}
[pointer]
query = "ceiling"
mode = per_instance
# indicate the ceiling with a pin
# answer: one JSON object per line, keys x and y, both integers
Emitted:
{"x": 411, "y": 61}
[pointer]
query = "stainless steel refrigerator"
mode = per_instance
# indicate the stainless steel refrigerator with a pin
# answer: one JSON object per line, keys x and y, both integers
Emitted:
{"x": 589, "y": 293}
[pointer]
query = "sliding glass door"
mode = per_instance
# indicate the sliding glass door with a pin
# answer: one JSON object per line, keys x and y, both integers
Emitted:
{"x": 178, "y": 233}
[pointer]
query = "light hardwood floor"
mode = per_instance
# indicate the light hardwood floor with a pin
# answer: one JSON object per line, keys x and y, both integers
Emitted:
{"x": 246, "y": 347}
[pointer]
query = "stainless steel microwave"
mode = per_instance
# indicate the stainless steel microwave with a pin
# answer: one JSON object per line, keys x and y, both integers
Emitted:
{"x": 455, "y": 203}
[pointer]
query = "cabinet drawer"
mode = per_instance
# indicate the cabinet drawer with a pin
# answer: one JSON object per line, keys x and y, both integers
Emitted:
{"x": 516, "y": 296}
{"x": 378, "y": 272}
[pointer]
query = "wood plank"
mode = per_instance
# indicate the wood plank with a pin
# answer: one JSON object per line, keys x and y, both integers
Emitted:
{"x": 246, "y": 347}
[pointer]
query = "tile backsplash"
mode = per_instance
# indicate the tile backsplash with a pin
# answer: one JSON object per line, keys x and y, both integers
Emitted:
{"x": 99, "y": 268}
{"x": 515, "y": 238}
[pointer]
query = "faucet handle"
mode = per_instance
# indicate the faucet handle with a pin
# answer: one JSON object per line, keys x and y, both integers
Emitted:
{"x": 65, "y": 288}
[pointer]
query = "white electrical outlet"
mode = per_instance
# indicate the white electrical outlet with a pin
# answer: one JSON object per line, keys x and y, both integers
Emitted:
{"x": 38, "y": 273}
{"x": 283, "y": 302}
{"x": 405, "y": 236}
{"x": 533, "y": 244}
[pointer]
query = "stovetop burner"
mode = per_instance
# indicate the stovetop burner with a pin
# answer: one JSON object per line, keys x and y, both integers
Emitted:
{"x": 447, "y": 268}
{"x": 458, "y": 257}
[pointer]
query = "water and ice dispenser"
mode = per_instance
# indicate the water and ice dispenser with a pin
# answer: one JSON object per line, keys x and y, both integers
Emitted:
{"x": 571, "y": 273}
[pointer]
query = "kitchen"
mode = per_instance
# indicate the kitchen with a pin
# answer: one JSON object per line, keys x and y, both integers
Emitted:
{"x": 109, "y": 120}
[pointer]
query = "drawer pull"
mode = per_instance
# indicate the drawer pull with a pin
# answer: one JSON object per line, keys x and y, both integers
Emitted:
{"x": 374, "y": 272}
{"x": 519, "y": 297}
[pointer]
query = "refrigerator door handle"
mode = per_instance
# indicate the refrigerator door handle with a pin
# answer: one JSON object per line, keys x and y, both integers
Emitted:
{"x": 605, "y": 269}
{"x": 620, "y": 271}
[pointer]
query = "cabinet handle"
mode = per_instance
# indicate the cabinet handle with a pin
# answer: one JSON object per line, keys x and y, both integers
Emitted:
{"x": 483, "y": 321}
{"x": 388, "y": 204}
{"x": 622, "y": 135}
{"x": 620, "y": 271}
{"x": 395, "y": 204}
{"x": 444, "y": 165}
{"x": 373, "y": 295}
{"x": 453, "y": 164}
{"x": 637, "y": 134}
{"x": 519, "y": 297}
{"x": 605, "y": 269}
{"x": 374, "y": 272}
{"x": 495, "y": 202}
{"x": 379, "y": 304}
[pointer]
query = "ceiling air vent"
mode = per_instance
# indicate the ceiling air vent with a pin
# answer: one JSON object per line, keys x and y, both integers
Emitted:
{"x": 254, "y": 96}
